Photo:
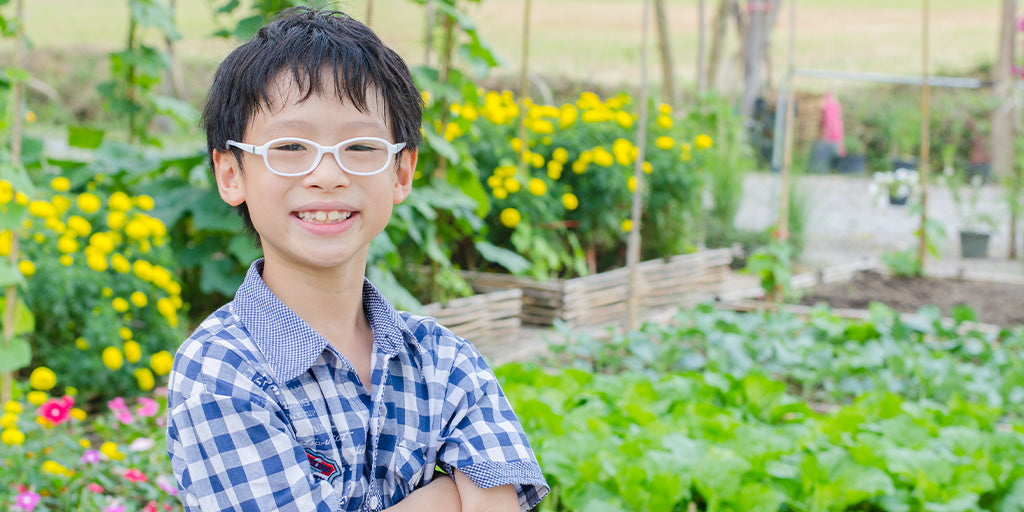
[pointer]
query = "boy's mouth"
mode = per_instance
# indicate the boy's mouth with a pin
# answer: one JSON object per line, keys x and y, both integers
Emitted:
{"x": 323, "y": 217}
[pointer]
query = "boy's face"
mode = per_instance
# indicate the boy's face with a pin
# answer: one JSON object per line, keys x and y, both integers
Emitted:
{"x": 327, "y": 218}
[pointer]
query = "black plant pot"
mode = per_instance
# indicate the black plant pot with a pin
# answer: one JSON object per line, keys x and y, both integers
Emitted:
{"x": 909, "y": 164}
{"x": 898, "y": 200}
{"x": 974, "y": 244}
{"x": 983, "y": 169}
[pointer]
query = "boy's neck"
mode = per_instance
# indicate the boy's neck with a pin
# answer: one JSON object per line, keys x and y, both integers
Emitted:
{"x": 331, "y": 301}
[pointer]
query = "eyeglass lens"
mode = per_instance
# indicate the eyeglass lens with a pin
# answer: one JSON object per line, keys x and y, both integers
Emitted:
{"x": 296, "y": 156}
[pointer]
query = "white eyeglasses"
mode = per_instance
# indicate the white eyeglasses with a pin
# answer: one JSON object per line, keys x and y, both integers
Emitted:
{"x": 290, "y": 156}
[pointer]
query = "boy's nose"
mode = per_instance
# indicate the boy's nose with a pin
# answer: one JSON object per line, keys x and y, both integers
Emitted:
{"x": 328, "y": 174}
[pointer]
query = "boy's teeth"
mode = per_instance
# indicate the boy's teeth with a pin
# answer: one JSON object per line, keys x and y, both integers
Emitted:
{"x": 324, "y": 217}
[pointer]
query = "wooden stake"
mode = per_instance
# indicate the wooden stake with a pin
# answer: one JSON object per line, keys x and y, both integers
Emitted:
{"x": 702, "y": 80}
{"x": 11, "y": 297}
{"x": 633, "y": 243}
{"x": 668, "y": 80}
{"x": 524, "y": 86}
{"x": 782, "y": 227}
{"x": 922, "y": 243}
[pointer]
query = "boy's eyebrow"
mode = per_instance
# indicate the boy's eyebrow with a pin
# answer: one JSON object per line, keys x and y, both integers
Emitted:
{"x": 285, "y": 124}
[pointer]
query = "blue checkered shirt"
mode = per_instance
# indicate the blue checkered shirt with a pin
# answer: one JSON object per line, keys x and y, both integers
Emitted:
{"x": 265, "y": 415}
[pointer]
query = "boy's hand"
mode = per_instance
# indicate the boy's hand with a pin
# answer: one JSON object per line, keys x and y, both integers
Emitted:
{"x": 492, "y": 499}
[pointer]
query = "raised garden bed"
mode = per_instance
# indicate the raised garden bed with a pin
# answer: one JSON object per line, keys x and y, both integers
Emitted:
{"x": 601, "y": 298}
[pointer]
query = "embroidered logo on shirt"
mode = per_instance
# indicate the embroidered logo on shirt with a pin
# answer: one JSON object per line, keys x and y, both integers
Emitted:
{"x": 321, "y": 465}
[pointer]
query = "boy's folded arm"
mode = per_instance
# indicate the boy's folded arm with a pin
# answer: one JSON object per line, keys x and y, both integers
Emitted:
{"x": 440, "y": 495}
{"x": 502, "y": 498}
{"x": 233, "y": 454}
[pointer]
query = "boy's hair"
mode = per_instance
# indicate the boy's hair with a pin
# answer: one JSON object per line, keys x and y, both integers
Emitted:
{"x": 307, "y": 43}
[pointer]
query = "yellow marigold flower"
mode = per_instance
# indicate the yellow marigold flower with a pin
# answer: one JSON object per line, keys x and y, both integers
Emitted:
{"x": 517, "y": 144}
{"x": 60, "y": 183}
{"x": 145, "y": 202}
{"x": 78, "y": 414}
{"x": 174, "y": 288}
{"x": 665, "y": 109}
{"x": 60, "y": 203}
{"x": 627, "y": 225}
{"x": 41, "y": 209}
{"x": 545, "y": 140}
{"x": 648, "y": 168}
{"x": 560, "y": 155}
{"x": 6, "y": 192}
{"x": 20, "y": 198}
{"x": 624, "y": 151}
{"x": 102, "y": 242}
{"x": 155, "y": 225}
{"x": 703, "y": 141}
{"x": 88, "y": 202}
{"x": 542, "y": 127}
{"x": 160, "y": 276}
{"x": 120, "y": 264}
{"x": 38, "y": 238}
{"x": 504, "y": 171}
{"x": 55, "y": 468}
{"x": 67, "y": 245}
{"x": 71, "y": 391}
{"x": 624, "y": 119}
{"x": 109, "y": 449}
{"x": 570, "y": 201}
{"x": 42, "y": 378}
{"x": 132, "y": 351}
{"x": 81, "y": 343}
{"x": 139, "y": 299}
{"x": 452, "y": 131}
{"x": 116, "y": 220}
{"x": 499, "y": 192}
{"x": 579, "y": 167}
{"x": 555, "y": 169}
{"x": 12, "y": 407}
{"x": 106, "y": 292}
{"x": 125, "y": 333}
{"x": 537, "y": 160}
{"x": 602, "y": 157}
{"x": 664, "y": 142}
{"x": 469, "y": 113}
{"x": 567, "y": 117}
{"x": 144, "y": 378}
{"x": 30, "y": 117}
{"x": 27, "y": 268}
{"x": 512, "y": 185}
{"x": 8, "y": 420}
{"x": 6, "y": 239}
{"x": 79, "y": 225}
{"x": 12, "y": 437}
{"x": 54, "y": 224}
{"x": 537, "y": 187}
{"x": 510, "y": 217}
{"x": 120, "y": 305}
{"x": 664, "y": 121}
{"x": 588, "y": 99}
{"x": 36, "y": 397}
{"x": 97, "y": 262}
{"x": 112, "y": 358}
{"x": 494, "y": 181}
{"x": 631, "y": 184}
{"x": 166, "y": 307}
{"x": 83, "y": 442}
{"x": 119, "y": 201}
{"x": 161, "y": 362}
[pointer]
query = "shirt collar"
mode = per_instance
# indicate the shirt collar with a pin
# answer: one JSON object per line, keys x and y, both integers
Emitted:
{"x": 288, "y": 343}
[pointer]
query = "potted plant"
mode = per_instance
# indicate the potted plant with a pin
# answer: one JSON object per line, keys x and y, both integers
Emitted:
{"x": 894, "y": 187}
{"x": 976, "y": 224}
{"x": 904, "y": 131}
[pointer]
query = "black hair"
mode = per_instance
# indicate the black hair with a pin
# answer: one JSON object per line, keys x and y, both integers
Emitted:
{"x": 305, "y": 43}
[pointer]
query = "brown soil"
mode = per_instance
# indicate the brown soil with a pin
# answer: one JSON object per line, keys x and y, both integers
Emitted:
{"x": 993, "y": 303}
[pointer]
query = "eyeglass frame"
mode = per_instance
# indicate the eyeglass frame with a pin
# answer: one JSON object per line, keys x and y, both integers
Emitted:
{"x": 322, "y": 150}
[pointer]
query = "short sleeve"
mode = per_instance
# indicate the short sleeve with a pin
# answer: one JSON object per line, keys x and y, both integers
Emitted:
{"x": 481, "y": 435}
{"x": 231, "y": 448}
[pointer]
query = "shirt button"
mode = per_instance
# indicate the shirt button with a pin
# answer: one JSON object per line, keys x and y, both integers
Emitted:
{"x": 375, "y": 502}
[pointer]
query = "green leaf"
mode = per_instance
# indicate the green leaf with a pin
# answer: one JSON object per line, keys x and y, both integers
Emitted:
{"x": 184, "y": 113}
{"x": 247, "y": 27}
{"x": 9, "y": 275}
{"x": 85, "y": 137}
{"x": 149, "y": 13}
{"x": 512, "y": 262}
{"x": 15, "y": 355}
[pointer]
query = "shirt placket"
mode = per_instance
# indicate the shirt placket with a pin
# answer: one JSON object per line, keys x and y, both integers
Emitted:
{"x": 378, "y": 414}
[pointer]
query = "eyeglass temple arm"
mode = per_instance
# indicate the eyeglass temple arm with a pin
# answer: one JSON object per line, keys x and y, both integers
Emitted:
{"x": 250, "y": 148}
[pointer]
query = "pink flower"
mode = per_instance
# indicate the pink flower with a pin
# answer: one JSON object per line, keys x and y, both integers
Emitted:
{"x": 148, "y": 407}
{"x": 1020, "y": 24}
{"x": 27, "y": 500}
{"x": 95, "y": 487}
{"x": 141, "y": 444}
{"x": 91, "y": 457}
{"x": 150, "y": 507}
{"x": 117, "y": 404}
{"x": 134, "y": 475}
{"x": 56, "y": 411}
{"x": 166, "y": 485}
{"x": 123, "y": 416}
{"x": 114, "y": 507}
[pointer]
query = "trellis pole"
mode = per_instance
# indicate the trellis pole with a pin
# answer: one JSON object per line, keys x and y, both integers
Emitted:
{"x": 922, "y": 243}
{"x": 633, "y": 243}
{"x": 782, "y": 227}
{"x": 524, "y": 86}
{"x": 11, "y": 297}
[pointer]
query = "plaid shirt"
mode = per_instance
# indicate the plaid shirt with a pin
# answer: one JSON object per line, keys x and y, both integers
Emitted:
{"x": 265, "y": 415}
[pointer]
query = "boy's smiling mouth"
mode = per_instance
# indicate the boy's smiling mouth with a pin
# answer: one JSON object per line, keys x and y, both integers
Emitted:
{"x": 324, "y": 216}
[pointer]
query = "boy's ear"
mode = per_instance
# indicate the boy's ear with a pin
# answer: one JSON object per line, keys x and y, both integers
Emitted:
{"x": 404, "y": 175}
{"x": 229, "y": 177}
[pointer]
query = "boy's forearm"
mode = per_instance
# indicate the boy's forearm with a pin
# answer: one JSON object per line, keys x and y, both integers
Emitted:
{"x": 440, "y": 495}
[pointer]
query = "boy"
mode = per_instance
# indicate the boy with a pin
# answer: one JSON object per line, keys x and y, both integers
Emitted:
{"x": 309, "y": 391}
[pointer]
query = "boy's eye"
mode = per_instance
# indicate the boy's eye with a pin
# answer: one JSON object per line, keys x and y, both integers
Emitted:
{"x": 361, "y": 147}
{"x": 290, "y": 146}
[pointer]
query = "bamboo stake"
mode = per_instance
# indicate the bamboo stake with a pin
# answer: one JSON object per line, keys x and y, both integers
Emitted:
{"x": 922, "y": 244}
{"x": 782, "y": 228}
{"x": 524, "y": 86}
{"x": 633, "y": 243}
{"x": 702, "y": 80}
{"x": 11, "y": 297}
{"x": 369, "y": 13}
{"x": 668, "y": 80}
